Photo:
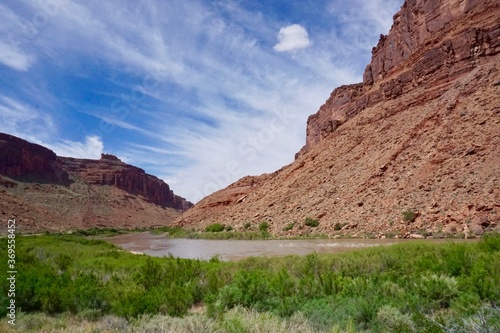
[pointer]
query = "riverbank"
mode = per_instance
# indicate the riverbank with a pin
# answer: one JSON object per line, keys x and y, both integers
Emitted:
{"x": 158, "y": 245}
{"x": 254, "y": 232}
{"x": 261, "y": 232}
{"x": 414, "y": 287}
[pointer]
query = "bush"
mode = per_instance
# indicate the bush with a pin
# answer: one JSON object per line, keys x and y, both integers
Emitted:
{"x": 216, "y": 227}
{"x": 289, "y": 227}
{"x": 391, "y": 319}
{"x": 171, "y": 232}
{"x": 263, "y": 226}
{"x": 247, "y": 226}
{"x": 409, "y": 215}
{"x": 229, "y": 228}
{"x": 310, "y": 222}
{"x": 338, "y": 226}
{"x": 439, "y": 288}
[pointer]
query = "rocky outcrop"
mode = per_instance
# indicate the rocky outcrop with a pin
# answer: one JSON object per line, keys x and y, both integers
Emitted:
{"x": 420, "y": 137}
{"x": 430, "y": 43}
{"x": 22, "y": 159}
{"x": 109, "y": 170}
{"x": 47, "y": 192}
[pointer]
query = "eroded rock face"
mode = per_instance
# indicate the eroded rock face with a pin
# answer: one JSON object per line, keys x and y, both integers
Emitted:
{"x": 46, "y": 192}
{"x": 427, "y": 32}
{"x": 421, "y": 132}
{"x": 430, "y": 43}
{"x": 27, "y": 161}
{"x": 22, "y": 159}
{"x": 109, "y": 170}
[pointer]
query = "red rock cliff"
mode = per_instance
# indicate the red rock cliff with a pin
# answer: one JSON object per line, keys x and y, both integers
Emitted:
{"x": 109, "y": 170}
{"x": 430, "y": 43}
{"x": 20, "y": 158}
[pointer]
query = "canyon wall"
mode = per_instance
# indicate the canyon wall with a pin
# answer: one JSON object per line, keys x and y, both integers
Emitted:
{"x": 412, "y": 151}
{"x": 22, "y": 159}
{"x": 109, "y": 170}
{"x": 430, "y": 42}
{"x": 28, "y": 161}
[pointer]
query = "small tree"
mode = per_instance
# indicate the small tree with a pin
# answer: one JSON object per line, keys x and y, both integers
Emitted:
{"x": 263, "y": 226}
{"x": 310, "y": 222}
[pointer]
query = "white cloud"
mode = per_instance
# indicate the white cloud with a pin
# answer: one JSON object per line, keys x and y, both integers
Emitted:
{"x": 20, "y": 119}
{"x": 291, "y": 38}
{"x": 91, "y": 148}
{"x": 14, "y": 58}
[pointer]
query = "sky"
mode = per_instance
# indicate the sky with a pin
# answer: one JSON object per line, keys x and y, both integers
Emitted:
{"x": 197, "y": 93}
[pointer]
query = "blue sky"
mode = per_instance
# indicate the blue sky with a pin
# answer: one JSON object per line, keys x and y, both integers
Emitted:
{"x": 198, "y": 93}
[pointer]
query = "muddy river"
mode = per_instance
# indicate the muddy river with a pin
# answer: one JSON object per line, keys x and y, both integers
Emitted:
{"x": 159, "y": 246}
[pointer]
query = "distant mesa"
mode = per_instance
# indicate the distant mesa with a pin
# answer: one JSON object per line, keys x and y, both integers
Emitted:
{"x": 21, "y": 159}
{"x": 54, "y": 192}
{"x": 28, "y": 161}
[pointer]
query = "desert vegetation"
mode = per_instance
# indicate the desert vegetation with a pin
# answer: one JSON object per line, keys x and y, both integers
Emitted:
{"x": 216, "y": 227}
{"x": 67, "y": 282}
{"x": 310, "y": 222}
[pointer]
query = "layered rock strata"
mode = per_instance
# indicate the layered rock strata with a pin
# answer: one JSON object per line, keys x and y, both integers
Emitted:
{"x": 46, "y": 192}
{"x": 430, "y": 43}
{"x": 109, "y": 170}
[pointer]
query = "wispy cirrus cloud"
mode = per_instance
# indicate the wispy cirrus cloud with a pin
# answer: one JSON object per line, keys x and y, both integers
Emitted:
{"x": 13, "y": 58}
{"x": 21, "y": 119}
{"x": 92, "y": 147}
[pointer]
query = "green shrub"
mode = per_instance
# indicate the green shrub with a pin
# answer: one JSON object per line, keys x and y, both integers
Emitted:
{"x": 310, "y": 222}
{"x": 289, "y": 226}
{"x": 247, "y": 226}
{"x": 439, "y": 288}
{"x": 338, "y": 226}
{"x": 171, "y": 232}
{"x": 229, "y": 228}
{"x": 263, "y": 226}
{"x": 490, "y": 242}
{"x": 390, "y": 319}
{"x": 63, "y": 261}
{"x": 409, "y": 215}
{"x": 216, "y": 227}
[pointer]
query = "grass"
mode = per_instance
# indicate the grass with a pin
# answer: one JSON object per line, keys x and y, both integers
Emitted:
{"x": 68, "y": 281}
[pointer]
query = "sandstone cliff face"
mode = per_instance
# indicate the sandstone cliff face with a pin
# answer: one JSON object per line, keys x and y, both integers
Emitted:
{"x": 109, "y": 170}
{"x": 421, "y": 133}
{"x": 430, "y": 43}
{"x": 46, "y": 192}
{"x": 20, "y": 158}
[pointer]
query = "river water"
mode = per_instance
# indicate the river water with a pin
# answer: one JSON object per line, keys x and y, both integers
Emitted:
{"x": 159, "y": 246}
